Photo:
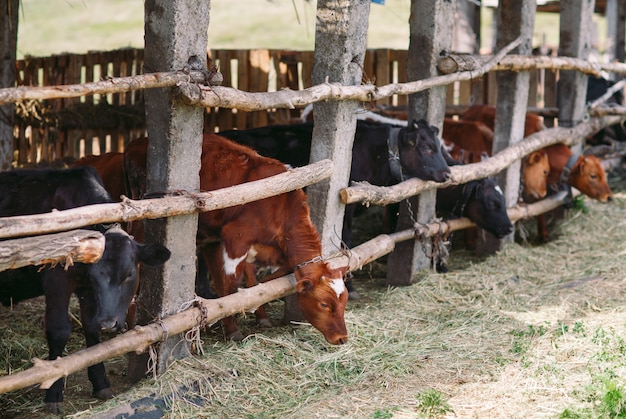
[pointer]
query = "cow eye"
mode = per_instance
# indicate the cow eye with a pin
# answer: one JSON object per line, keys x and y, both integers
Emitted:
{"x": 324, "y": 305}
{"x": 593, "y": 176}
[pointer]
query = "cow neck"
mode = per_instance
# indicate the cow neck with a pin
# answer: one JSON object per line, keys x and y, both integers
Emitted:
{"x": 466, "y": 194}
{"x": 306, "y": 251}
{"x": 394, "y": 154}
{"x": 309, "y": 268}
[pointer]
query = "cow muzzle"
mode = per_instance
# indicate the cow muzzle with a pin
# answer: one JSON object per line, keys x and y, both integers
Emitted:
{"x": 112, "y": 325}
{"x": 337, "y": 339}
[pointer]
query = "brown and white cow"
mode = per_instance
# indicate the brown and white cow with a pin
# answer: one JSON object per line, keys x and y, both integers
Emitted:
{"x": 272, "y": 231}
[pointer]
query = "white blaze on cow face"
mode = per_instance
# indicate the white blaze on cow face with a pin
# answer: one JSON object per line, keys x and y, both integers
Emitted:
{"x": 499, "y": 190}
{"x": 230, "y": 265}
{"x": 338, "y": 286}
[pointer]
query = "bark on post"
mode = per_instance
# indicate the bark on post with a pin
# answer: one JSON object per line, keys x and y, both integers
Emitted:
{"x": 175, "y": 31}
{"x": 615, "y": 13}
{"x": 574, "y": 41}
{"x": 431, "y": 28}
{"x": 340, "y": 35}
{"x": 620, "y": 33}
{"x": 8, "y": 47}
{"x": 515, "y": 18}
{"x": 467, "y": 40}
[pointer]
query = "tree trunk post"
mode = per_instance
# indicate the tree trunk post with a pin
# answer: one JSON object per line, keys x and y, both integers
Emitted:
{"x": 431, "y": 29}
{"x": 574, "y": 41}
{"x": 8, "y": 48}
{"x": 175, "y": 30}
{"x": 515, "y": 18}
{"x": 340, "y": 35}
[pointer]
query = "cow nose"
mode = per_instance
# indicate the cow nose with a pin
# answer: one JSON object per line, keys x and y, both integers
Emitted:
{"x": 447, "y": 176}
{"x": 108, "y": 324}
{"x": 341, "y": 340}
{"x": 609, "y": 198}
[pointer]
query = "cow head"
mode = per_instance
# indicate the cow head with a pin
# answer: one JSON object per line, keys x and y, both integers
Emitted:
{"x": 420, "y": 152}
{"x": 535, "y": 176}
{"x": 322, "y": 297}
{"x": 486, "y": 207}
{"x": 115, "y": 277}
{"x": 589, "y": 177}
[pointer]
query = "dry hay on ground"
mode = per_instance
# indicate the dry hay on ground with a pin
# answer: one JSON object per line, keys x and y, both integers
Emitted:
{"x": 529, "y": 332}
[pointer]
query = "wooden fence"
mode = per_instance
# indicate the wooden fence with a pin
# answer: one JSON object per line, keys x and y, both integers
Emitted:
{"x": 48, "y": 371}
{"x": 57, "y": 129}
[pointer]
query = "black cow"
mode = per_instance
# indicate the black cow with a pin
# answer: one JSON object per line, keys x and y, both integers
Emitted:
{"x": 597, "y": 87}
{"x": 382, "y": 155}
{"x": 104, "y": 289}
{"x": 374, "y": 158}
{"x": 482, "y": 201}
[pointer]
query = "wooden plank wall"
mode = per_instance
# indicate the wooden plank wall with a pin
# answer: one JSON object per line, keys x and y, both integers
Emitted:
{"x": 249, "y": 70}
{"x": 50, "y": 140}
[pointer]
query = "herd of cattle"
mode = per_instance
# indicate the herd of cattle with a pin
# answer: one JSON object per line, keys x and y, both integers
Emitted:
{"x": 277, "y": 231}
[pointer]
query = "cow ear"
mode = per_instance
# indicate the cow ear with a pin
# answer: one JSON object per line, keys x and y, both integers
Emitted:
{"x": 534, "y": 158}
{"x": 304, "y": 286}
{"x": 243, "y": 158}
{"x": 153, "y": 254}
{"x": 580, "y": 167}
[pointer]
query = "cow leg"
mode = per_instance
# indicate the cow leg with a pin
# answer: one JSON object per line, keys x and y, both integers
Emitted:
{"x": 260, "y": 313}
{"x": 542, "y": 228}
{"x": 96, "y": 373}
{"x": 58, "y": 329}
{"x": 224, "y": 284}
{"x": 203, "y": 288}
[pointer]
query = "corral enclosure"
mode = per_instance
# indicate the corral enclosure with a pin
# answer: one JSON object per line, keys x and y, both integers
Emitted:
{"x": 292, "y": 69}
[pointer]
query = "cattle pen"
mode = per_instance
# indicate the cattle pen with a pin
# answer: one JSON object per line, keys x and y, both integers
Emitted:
{"x": 192, "y": 87}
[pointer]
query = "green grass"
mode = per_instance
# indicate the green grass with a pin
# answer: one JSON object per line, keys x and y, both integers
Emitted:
{"x": 49, "y": 27}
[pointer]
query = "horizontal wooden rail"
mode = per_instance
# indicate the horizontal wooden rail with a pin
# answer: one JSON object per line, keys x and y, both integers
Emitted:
{"x": 188, "y": 203}
{"x": 194, "y": 92}
{"x": 67, "y": 248}
{"x": 103, "y": 87}
{"x": 206, "y": 312}
{"x": 223, "y": 97}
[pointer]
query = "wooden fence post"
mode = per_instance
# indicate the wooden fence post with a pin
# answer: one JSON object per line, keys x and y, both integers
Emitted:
{"x": 175, "y": 30}
{"x": 574, "y": 41}
{"x": 8, "y": 48}
{"x": 515, "y": 18}
{"x": 340, "y": 36}
{"x": 431, "y": 28}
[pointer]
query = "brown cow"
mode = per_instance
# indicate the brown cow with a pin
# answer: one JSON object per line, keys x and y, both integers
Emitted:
{"x": 535, "y": 169}
{"x": 487, "y": 115}
{"x": 472, "y": 141}
{"x": 585, "y": 174}
{"x": 109, "y": 166}
{"x": 467, "y": 141}
{"x": 271, "y": 231}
